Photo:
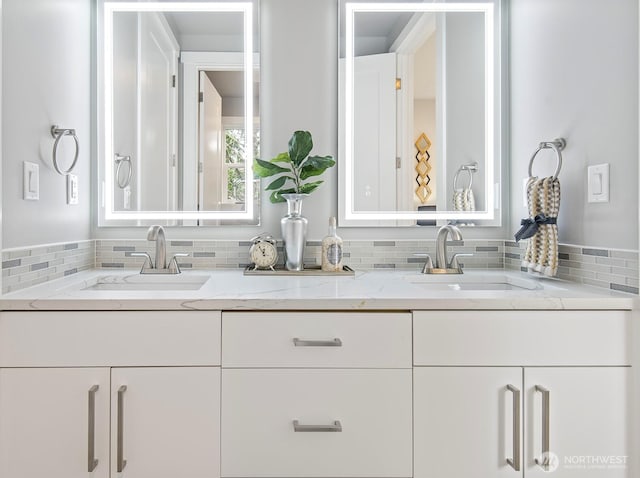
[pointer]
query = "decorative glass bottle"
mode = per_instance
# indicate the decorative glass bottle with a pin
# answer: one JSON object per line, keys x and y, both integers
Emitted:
{"x": 332, "y": 249}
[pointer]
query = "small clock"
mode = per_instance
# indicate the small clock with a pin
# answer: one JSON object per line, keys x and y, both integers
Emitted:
{"x": 263, "y": 252}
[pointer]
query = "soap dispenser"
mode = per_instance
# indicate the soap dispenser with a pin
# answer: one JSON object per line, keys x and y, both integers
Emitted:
{"x": 332, "y": 249}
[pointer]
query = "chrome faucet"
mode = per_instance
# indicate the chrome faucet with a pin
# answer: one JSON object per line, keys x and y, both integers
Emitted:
{"x": 156, "y": 233}
{"x": 443, "y": 265}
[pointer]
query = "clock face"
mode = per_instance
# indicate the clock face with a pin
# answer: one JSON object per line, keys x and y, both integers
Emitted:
{"x": 264, "y": 255}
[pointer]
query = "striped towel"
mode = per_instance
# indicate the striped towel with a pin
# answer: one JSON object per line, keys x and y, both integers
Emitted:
{"x": 463, "y": 200}
{"x": 543, "y": 196}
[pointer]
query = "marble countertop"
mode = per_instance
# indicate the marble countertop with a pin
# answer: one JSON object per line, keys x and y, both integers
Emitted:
{"x": 367, "y": 290}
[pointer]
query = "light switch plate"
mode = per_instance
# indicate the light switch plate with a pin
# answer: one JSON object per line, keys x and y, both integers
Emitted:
{"x": 72, "y": 189}
{"x": 31, "y": 181}
{"x": 598, "y": 183}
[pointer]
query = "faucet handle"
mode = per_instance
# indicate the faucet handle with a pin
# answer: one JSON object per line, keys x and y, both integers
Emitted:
{"x": 454, "y": 264}
{"x": 428, "y": 263}
{"x": 174, "y": 267}
{"x": 147, "y": 263}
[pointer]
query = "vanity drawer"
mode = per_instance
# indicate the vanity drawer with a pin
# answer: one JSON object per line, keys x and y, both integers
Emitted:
{"x": 373, "y": 408}
{"x": 333, "y": 339}
{"x": 522, "y": 337}
{"x": 69, "y": 339}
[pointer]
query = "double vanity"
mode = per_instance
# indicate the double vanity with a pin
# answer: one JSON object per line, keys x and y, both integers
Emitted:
{"x": 383, "y": 374}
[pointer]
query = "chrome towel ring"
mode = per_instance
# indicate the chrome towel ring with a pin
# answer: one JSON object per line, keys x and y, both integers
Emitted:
{"x": 557, "y": 145}
{"x": 120, "y": 160}
{"x": 58, "y": 133}
{"x": 470, "y": 169}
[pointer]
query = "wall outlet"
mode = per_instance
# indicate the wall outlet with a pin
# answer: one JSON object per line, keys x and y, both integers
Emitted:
{"x": 31, "y": 181}
{"x": 72, "y": 189}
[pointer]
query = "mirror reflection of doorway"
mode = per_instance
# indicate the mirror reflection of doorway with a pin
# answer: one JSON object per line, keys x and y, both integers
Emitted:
{"x": 211, "y": 152}
{"x": 213, "y": 132}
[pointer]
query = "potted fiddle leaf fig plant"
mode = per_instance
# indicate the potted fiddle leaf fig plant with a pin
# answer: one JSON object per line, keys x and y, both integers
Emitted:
{"x": 294, "y": 167}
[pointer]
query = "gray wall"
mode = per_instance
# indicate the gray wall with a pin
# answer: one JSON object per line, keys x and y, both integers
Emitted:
{"x": 46, "y": 80}
{"x": 574, "y": 73}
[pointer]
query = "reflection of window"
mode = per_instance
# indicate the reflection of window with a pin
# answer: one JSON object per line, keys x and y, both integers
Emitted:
{"x": 233, "y": 168}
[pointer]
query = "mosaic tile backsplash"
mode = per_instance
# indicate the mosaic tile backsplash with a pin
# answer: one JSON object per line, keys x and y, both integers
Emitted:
{"x": 357, "y": 254}
{"x": 607, "y": 268}
{"x": 23, "y": 268}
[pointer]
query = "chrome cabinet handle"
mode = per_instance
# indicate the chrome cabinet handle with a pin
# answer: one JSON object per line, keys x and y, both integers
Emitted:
{"x": 335, "y": 427}
{"x": 543, "y": 461}
{"x": 91, "y": 440}
{"x": 515, "y": 461}
{"x": 121, "y": 462}
{"x": 317, "y": 343}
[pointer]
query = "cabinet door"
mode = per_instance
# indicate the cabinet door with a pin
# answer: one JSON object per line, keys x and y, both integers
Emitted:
{"x": 54, "y": 422}
{"x": 465, "y": 424}
{"x": 165, "y": 422}
{"x": 586, "y": 428}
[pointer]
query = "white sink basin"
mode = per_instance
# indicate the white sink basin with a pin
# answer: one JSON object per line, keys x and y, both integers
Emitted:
{"x": 475, "y": 286}
{"x": 147, "y": 282}
{"x": 474, "y": 281}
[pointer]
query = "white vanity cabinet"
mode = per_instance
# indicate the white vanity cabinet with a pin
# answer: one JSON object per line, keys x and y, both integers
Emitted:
{"x": 125, "y": 401}
{"x": 493, "y": 390}
{"x": 47, "y": 426}
{"x": 314, "y": 394}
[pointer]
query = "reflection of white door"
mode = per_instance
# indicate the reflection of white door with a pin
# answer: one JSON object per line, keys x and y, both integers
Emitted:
{"x": 375, "y": 133}
{"x": 211, "y": 147}
{"x": 157, "y": 63}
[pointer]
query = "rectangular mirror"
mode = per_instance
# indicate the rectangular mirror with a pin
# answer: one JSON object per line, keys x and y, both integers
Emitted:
{"x": 420, "y": 112}
{"x": 179, "y": 113}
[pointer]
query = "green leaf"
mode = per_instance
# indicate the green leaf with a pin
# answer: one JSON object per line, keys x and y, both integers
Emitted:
{"x": 315, "y": 166}
{"x": 300, "y": 146}
{"x": 276, "y": 196}
{"x": 278, "y": 183}
{"x": 282, "y": 158}
{"x": 309, "y": 187}
{"x": 264, "y": 169}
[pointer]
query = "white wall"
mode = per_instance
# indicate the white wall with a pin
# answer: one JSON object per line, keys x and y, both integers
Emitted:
{"x": 574, "y": 73}
{"x": 46, "y": 52}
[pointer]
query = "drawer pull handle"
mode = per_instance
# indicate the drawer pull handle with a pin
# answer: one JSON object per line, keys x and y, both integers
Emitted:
{"x": 317, "y": 343}
{"x": 92, "y": 461}
{"x": 336, "y": 427}
{"x": 121, "y": 462}
{"x": 515, "y": 461}
{"x": 543, "y": 461}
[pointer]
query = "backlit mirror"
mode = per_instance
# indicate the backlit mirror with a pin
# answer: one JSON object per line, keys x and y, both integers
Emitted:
{"x": 179, "y": 120}
{"x": 420, "y": 112}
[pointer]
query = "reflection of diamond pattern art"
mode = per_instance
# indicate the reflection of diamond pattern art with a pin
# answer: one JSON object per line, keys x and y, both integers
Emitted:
{"x": 423, "y": 191}
{"x": 423, "y": 168}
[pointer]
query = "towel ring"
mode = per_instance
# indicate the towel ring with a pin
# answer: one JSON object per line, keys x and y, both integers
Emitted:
{"x": 58, "y": 133}
{"x": 557, "y": 145}
{"x": 120, "y": 160}
{"x": 469, "y": 168}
